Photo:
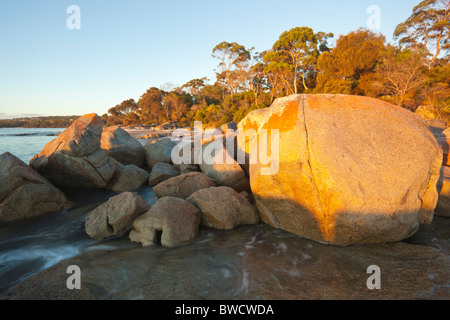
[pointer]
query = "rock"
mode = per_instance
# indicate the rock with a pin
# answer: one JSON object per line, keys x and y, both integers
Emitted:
{"x": 223, "y": 208}
{"x": 346, "y": 169}
{"x": 128, "y": 178}
{"x": 115, "y": 217}
{"x": 226, "y": 128}
{"x": 24, "y": 193}
{"x": 220, "y": 166}
{"x": 443, "y": 186}
{"x": 436, "y": 126}
{"x": 122, "y": 146}
{"x": 159, "y": 150}
{"x": 443, "y": 139}
{"x": 188, "y": 168}
{"x": 183, "y": 186}
{"x": 75, "y": 158}
{"x": 160, "y": 172}
{"x": 177, "y": 219}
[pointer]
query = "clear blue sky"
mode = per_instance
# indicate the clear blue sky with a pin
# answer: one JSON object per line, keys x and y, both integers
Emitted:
{"x": 125, "y": 47}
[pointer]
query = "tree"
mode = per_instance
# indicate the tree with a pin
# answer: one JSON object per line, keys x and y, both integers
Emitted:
{"x": 403, "y": 72}
{"x": 255, "y": 80}
{"x": 233, "y": 59}
{"x": 429, "y": 23}
{"x": 436, "y": 92}
{"x": 194, "y": 87}
{"x": 177, "y": 105}
{"x": 294, "y": 56}
{"x": 120, "y": 111}
{"x": 352, "y": 61}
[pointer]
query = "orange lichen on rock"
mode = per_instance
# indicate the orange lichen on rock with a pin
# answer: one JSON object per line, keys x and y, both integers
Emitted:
{"x": 284, "y": 120}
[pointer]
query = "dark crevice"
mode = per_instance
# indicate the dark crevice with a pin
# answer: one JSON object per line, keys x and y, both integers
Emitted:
{"x": 158, "y": 236}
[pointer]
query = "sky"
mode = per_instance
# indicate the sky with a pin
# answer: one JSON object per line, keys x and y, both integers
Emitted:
{"x": 122, "y": 48}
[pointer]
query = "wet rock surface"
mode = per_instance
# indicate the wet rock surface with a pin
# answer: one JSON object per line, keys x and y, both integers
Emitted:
{"x": 252, "y": 262}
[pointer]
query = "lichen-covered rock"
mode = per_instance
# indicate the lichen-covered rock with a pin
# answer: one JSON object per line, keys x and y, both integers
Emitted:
{"x": 349, "y": 170}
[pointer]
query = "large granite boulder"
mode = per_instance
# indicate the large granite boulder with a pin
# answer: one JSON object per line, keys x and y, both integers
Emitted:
{"x": 127, "y": 178}
{"x": 75, "y": 158}
{"x": 175, "y": 220}
{"x": 24, "y": 193}
{"x": 183, "y": 186}
{"x": 223, "y": 208}
{"x": 115, "y": 217}
{"x": 344, "y": 169}
{"x": 122, "y": 146}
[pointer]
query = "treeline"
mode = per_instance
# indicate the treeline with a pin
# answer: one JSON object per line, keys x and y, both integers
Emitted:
{"x": 414, "y": 72}
{"x": 39, "y": 122}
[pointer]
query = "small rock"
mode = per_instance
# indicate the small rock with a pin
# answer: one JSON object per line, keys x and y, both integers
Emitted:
{"x": 183, "y": 186}
{"x": 159, "y": 150}
{"x": 115, "y": 217}
{"x": 220, "y": 166}
{"x": 443, "y": 186}
{"x": 128, "y": 178}
{"x": 223, "y": 208}
{"x": 160, "y": 172}
{"x": 177, "y": 219}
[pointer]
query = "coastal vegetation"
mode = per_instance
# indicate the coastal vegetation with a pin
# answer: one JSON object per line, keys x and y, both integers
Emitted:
{"x": 38, "y": 122}
{"x": 414, "y": 72}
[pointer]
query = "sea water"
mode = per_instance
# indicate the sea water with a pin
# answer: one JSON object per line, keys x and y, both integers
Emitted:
{"x": 28, "y": 247}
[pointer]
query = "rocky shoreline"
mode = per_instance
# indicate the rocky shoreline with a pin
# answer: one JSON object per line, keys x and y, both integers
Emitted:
{"x": 252, "y": 263}
{"x": 325, "y": 180}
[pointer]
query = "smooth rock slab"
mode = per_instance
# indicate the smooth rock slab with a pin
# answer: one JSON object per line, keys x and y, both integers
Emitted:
{"x": 252, "y": 263}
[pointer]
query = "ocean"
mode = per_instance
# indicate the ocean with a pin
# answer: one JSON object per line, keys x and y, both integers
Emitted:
{"x": 24, "y": 143}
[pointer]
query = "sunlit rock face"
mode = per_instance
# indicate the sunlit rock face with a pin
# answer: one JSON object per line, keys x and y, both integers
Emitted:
{"x": 75, "y": 158}
{"x": 344, "y": 169}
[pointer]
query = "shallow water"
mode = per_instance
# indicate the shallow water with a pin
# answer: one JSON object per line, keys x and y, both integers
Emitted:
{"x": 31, "y": 246}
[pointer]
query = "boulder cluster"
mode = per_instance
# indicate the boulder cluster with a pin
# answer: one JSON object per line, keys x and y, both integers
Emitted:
{"x": 336, "y": 169}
